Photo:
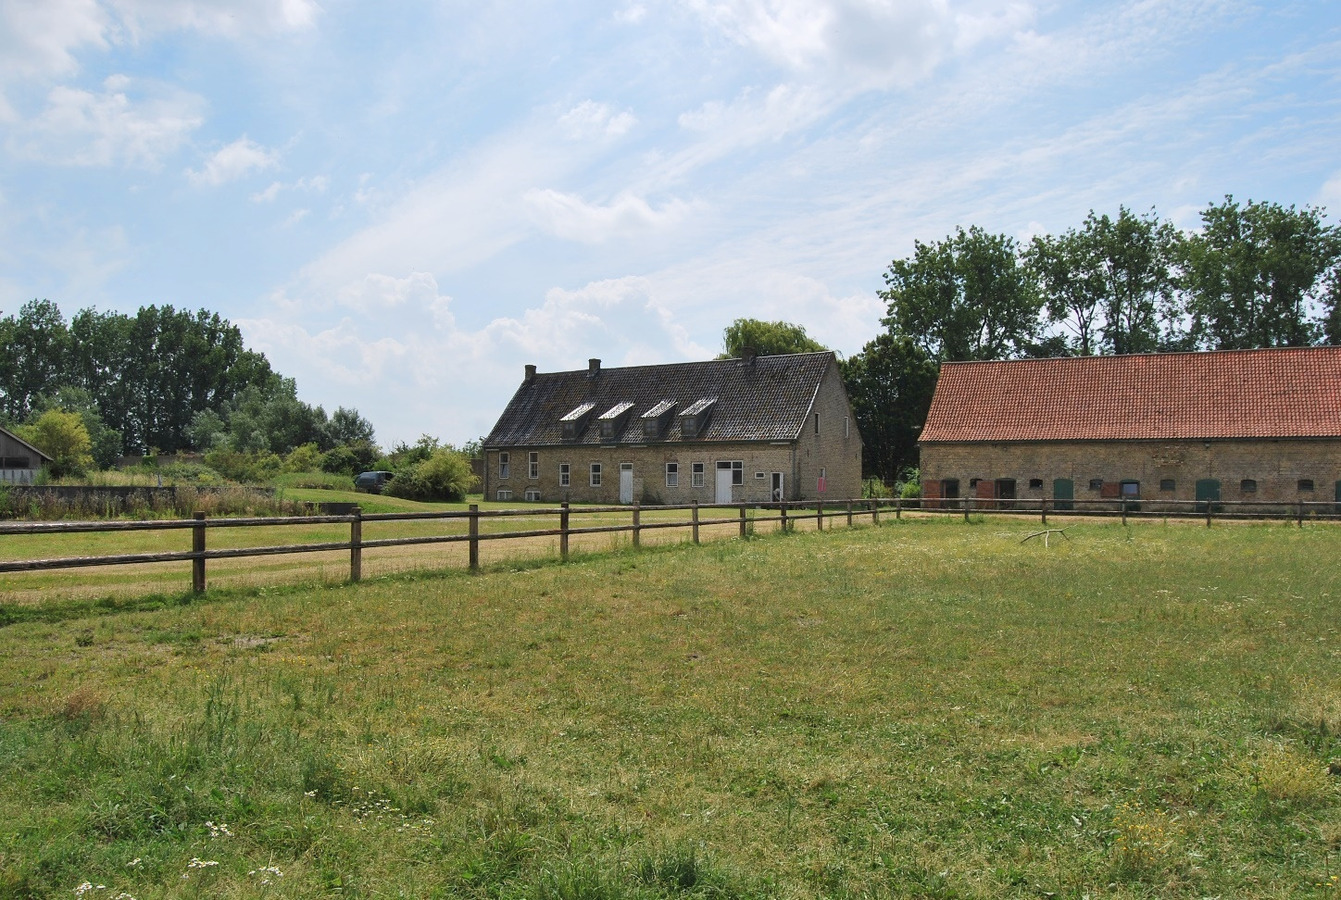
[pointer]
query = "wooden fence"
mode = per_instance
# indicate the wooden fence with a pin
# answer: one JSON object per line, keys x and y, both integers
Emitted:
{"x": 786, "y": 515}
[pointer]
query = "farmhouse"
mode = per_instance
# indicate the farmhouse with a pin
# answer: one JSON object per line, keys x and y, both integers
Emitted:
{"x": 20, "y": 461}
{"x": 1259, "y": 425}
{"x": 729, "y": 430}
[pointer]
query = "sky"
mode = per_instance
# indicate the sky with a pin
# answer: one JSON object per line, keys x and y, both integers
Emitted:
{"x": 401, "y": 205}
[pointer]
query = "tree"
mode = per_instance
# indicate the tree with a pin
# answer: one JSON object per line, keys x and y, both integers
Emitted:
{"x": 34, "y": 348}
{"x": 444, "y": 475}
{"x": 1066, "y": 272}
{"x": 62, "y": 436}
{"x": 766, "y": 339}
{"x": 890, "y": 383}
{"x": 963, "y": 298}
{"x": 348, "y": 427}
{"x": 1133, "y": 258}
{"x": 104, "y": 442}
{"x": 1262, "y": 275}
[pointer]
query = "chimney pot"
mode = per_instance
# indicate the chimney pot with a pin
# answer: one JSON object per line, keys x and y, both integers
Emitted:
{"x": 530, "y": 371}
{"x": 593, "y": 367}
{"x": 748, "y": 355}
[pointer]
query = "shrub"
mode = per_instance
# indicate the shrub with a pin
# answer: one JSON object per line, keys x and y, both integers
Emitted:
{"x": 306, "y": 458}
{"x": 237, "y": 465}
{"x": 62, "y": 436}
{"x": 444, "y": 476}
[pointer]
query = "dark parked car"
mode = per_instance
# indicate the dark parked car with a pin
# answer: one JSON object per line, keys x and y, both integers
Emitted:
{"x": 372, "y": 482}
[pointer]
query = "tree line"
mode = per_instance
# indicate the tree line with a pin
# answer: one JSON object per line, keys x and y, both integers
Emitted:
{"x": 161, "y": 380}
{"x": 1254, "y": 275}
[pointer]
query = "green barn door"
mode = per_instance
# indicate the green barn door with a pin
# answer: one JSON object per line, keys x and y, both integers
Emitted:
{"x": 1338, "y": 496}
{"x": 1208, "y": 490}
{"x": 1063, "y": 492}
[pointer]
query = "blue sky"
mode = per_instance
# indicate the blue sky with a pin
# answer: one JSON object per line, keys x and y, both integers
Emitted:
{"x": 403, "y": 204}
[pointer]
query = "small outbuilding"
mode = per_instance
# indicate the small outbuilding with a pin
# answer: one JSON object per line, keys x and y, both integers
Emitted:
{"x": 1231, "y": 425}
{"x": 20, "y": 461}
{"x": 754, "y": 429}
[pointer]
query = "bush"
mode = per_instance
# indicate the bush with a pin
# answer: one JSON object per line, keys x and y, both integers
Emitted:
{"x": 306, "y": 458}
{"x": 62, "y": 436}
{"x": 444, "y": 476}
{"x": 236, "y": 465}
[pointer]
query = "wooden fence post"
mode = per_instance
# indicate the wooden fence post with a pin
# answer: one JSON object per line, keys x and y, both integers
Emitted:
{"x": 966, "y": 509}
{"x": 1209, "y": 504}
{"x": 875, "y": 511}
{"x": 637, "y": 525}
{"x": 474, "y": 537}
{"x": 1044, "y": 506}
{"x": 743, "y": 529}
{"x": 783, "y": 506}
{"x": 563, "y": 531}
{"x": 898, "y": 509}
{"x": 694, "y": 513}
{"x": 819, "y": 515}
{"x": 198, "y": 548}
{"x": 356, "y": 544}
{"x": 849, "y": 514}
{"x": 1301, "y": 513}
{"x": 1124, "y": 511}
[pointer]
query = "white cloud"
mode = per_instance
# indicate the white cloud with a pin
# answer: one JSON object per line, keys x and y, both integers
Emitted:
{"x": 237, "y": 160}
{"x": 317, "y": 184}
{"x": 1329, "y": 196}
{"x": 229, "y": 18}
{"x": 591, "y": 119}
{"x": 862, "y": 43}
{"x": 568, "y": 216}
{"x": 110, "y": 127}
{"x": 39, "y": 39}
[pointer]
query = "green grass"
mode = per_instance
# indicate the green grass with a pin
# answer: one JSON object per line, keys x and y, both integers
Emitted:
{"x": 925, "y": 709}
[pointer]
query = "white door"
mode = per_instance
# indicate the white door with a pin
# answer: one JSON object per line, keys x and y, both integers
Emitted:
{"x": 724, "y": 482}
{"x": 626, "y": 482}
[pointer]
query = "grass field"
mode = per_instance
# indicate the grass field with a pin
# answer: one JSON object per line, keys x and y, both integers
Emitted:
{"x": 927, "y": 709}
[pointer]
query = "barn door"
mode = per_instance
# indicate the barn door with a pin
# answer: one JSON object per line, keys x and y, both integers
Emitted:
{"x": 1063, "y": 493}
{"x": 626, "y": 482}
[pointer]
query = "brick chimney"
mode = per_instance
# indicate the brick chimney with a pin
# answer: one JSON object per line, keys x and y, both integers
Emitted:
{"x": 593, "y": 368}
{"x": 530, "y": 373}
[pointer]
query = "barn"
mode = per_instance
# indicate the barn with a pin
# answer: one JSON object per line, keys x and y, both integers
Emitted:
{"x": 20, "y": 461}
{"x": 1261, "y": 425}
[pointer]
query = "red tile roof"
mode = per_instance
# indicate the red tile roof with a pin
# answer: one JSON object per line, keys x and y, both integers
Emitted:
{"x": 1280, "y": 393}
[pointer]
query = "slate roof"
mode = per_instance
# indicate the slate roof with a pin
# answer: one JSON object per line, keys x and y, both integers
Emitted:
{"x": 764, "y": 401}
{"x": 1279, "y": 393}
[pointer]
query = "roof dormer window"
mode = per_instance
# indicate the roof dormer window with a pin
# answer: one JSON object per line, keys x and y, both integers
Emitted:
{"x": 694, "y": 420}
{"x": 576, "y": 421}
{"x": 612, "y": 421}
{"x": 657, "y": 420}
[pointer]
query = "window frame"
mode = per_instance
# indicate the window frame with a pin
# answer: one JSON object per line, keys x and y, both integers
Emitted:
{"x": 504, "y": 465}
{"x": 672, "y": 474}
{"x": 594, "y": 475}
{"x": 565, "y": 475}
{"x": 533, "y": 465}
{"x": 697, "y": 474}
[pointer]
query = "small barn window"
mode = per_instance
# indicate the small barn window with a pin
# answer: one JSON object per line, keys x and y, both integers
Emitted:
{"x": 565, "y": 474}
{"x": 738, "y": 472}
{"x": 847, "y": 426}
{"x": 1305, "y": 485}
{"x": 533, "y": 466}
{"x": 672, "y": 474}
{"x": 1167, "y": 484}
{"x": 1035, "y": 483}
{"x": 504, "y": 465}
{"x": 817, "y": 423}
{"x": 505, "y": 494}
{"x": 595, "y": 474}
{"x": 696, "y": 474}
{"x": 1096, "y": 484}
{"x": 533, "y": 495}
{"x": 1248, "y": 485}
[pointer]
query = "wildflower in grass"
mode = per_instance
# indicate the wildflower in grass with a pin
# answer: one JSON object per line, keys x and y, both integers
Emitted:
{"x": 220, "y": 830}
{"x": 267, "y": 874}
{"x": 1145, "y": 838}
{"x": 88, "y": 886}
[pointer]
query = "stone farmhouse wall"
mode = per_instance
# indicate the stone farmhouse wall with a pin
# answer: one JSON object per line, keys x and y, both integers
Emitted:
{"x": 1284, "y": 471}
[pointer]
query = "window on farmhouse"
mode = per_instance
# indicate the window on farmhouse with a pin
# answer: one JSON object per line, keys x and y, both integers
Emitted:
{"x": 696, "y": 474}
{"x": 565, "y": 475}
{"x": 505, "y": 495}
{"x": 738, "y": 472}
{"x": 1167, "y": 484}
{"x": 1305, "y": 485}
{"x": 595, "y": 474}
{"x": 533, "y": 465}
{"x": 504, "y": 465}
{"x": 1248, "y": 486}
{"x": 1096, "y": 484}
{"x": 1035, "y": 483}
{"x": 533, "y": 495}
{"x": 672, "y": 474}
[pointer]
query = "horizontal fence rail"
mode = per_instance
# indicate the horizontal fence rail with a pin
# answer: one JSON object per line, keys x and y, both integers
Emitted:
{"x": 785, "y": 514}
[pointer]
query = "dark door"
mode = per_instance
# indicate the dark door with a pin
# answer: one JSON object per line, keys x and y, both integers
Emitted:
{"x": 1063, "y": 493}
{"x": 1208, "y": 490}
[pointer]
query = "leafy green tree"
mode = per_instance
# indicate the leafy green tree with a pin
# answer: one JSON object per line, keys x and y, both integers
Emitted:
{"x": 1262, "y": 275}
{"x": 766, "y": 339}
{"x": 1134, "y": 258}
{"x": 105, "y": 442}
{"x": 890, "y": 383}
{"x": 1066, "y": 271}
{"x": 964, "y": 298}
{"x": 34, "y": 349}
{"x": 346, "y": 426}
{"x": 62, "y": 436}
